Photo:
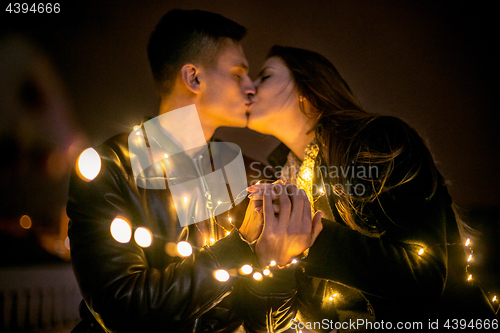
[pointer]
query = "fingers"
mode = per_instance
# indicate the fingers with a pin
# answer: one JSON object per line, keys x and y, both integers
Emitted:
{"x": 317, "y": 226}
{"x": 285, "y": 205}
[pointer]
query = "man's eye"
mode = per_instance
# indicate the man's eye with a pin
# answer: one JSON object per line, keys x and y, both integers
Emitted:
{"x": 264, "y": 78}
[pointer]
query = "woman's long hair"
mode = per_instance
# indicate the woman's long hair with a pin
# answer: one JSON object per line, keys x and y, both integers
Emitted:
{"x": 340, "y": 120}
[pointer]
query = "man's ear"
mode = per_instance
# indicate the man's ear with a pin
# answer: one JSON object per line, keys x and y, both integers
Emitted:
{"x": 189, "y": 75}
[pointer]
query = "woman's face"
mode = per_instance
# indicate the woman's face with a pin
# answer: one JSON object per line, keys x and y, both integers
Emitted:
{"x": 276, "y": 98}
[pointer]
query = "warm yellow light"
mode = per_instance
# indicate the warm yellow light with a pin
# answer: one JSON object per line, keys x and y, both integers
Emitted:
{"x": 166, "y": 155}
{"x": 467, "y": 243}
{"x": 221, "y": 275}
{"x": 257, "y": 276}
{"x": 246, "y": 269}
{"x": 294, "y": 261}
{"x": 212, "y": 240}
{"x": 469, "y": 278}
{"x": 184, "y": 249}
{"x": 266, "y": 271}
{"x": 25, "y": 222}
{"x": 136, "y": 128}
{"x": 88, "y": 164}
{"x": 228, "y": 232}
{"x": 121, "y": 230}
{"x": 306, "y": 174}
{"x": 421, "y": 251}
{"x": 321, "y": 191}
{"x": 143, "y": 237}
{"x": 273, "y": 263}
{"x": 137, "y": 133}
{"x": 230, "y": 220}
{"x": 219, "y": 202}
{"x": 494, "y": 298}
{"x": 470, "y": 258}
{"x": 185, "y": 199}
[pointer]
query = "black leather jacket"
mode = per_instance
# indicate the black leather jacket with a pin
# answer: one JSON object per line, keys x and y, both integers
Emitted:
{"x": 349, "y": 276}
{"x": 129, "y": 288}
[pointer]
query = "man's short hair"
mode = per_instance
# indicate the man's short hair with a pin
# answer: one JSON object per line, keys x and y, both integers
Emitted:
{"x": 188, "y": 36}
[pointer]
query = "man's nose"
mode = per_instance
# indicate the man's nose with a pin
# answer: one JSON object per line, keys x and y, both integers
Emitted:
{"x": 249, "y": 88}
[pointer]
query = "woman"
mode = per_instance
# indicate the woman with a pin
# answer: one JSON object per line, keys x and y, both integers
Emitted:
{"x": 390, "y": 242}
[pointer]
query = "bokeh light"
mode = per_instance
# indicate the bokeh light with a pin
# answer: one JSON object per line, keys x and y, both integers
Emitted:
{"x": 143, "y": 237}
{"x": 221, "y": 275}
{"x": 121, "y": 230}
{"x": 184, "y": 249}
{"x": 88, "y": 164}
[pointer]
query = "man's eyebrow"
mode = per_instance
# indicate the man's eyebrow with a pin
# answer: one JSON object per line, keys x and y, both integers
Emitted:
{"x": 243, "y": 66}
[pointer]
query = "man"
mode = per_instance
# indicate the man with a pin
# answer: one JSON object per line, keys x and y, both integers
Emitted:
{"x": 196, "y": 58}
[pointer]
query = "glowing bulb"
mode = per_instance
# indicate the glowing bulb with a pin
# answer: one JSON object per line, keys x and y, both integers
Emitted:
{"x": 467, "y": 243}
{"x": 331, "y": 298}
{"x": 88, "y": 164}
{"x": 421, "y": 251}
{"x": 273, "y": 263}
{"x": 294, "y": 261}
{"x": 306, "y": 174}
{"x": 469, "y": 278}
{"x": 212, "y": 240}
{"x": 221, "y": 275}
{"x": 228, "y": 232}
{"x": 184, "y": 249}
{"x": 470, "y": 258}
{"x": 166, "y": 155}
{"x": 143, "y": 237}
{"x": 137, "y": 133}
{"x": 219, "y": 202}
{"x": 230, "y": 220}
{"x": 246, "y": 269}
{"x": 121, "y": 230}
{"x": 185, "y": 199}
{"x": 494, "y": 298}
{"x": 321, "y": 191}
{"x": 136, "y": 128}
{"x": 257, "y": 276}
{"x": 266, "y": 271}
{"x": 25, "y": 222}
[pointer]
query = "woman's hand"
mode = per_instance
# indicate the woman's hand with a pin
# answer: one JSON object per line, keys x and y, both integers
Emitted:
{"x": 291, "y": 231}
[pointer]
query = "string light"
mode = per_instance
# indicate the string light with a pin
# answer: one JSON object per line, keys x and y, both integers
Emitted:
{"x": 470, "y": 277}
{"x": 221, "y": 275}
{"x": 246, "y": 270}
{"x": 273, "y": 263}
{"x": 121, "y": 230}
{"x": 266, "y": 272}
{"x": 88, "y": 164}
{"x": 184, "y": 249}
{"x": 421, "y": 251}
{"x": 467, "y": 242}
{"x": 257, "y": 276}
{"x": 143, "y": 237}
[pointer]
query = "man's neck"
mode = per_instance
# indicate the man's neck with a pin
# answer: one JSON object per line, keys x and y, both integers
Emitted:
{"x": 171, "y": 104}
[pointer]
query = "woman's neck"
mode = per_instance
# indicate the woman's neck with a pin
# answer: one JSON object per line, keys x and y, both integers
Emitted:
{"x": 297, "y": 136}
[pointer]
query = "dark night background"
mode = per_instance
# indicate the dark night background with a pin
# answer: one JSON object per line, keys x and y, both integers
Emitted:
{"x": 431, "y": 63}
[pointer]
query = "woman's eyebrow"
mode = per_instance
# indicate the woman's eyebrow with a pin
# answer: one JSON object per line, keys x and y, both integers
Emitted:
{"x": 263, "y": 70}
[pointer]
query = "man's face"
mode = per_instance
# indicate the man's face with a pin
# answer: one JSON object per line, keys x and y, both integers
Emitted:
{"x": 225, "y": 89}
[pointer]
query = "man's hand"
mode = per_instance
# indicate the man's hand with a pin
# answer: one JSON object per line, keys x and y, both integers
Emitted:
{"x": 291, "y": 231}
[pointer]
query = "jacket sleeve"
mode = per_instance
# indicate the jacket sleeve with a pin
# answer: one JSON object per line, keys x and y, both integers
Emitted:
{"x": 118, "y": 281}
{"x": 411, "y": 218}
{"x": 268, "y": 305}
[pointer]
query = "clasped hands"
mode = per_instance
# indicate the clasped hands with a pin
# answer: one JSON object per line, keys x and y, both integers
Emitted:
{"x": 280, "y": 220}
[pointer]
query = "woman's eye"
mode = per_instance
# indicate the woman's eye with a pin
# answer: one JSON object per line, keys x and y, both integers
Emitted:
{"x": 264, "y": 78}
